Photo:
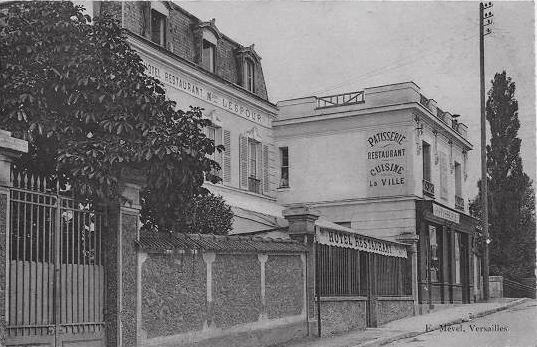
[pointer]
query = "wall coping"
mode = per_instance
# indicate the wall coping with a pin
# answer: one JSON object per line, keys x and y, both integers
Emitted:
{"x": 343, "y": 298}
{"x": 395, "y": 298}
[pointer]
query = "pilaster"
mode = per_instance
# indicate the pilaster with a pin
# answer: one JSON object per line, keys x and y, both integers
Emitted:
{"x": 208, "y": 258}
{"x": 10, "y": 148}
{"x": 302, "y": 228}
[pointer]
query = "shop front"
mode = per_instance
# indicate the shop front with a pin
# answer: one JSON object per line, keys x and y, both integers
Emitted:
{"x": 445, "y": 254}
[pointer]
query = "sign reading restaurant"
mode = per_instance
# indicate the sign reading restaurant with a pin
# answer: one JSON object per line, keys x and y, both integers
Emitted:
{"x": 202, "y": 92}
{"x": 386, "y": 162}
{"x": 360, "y": 242}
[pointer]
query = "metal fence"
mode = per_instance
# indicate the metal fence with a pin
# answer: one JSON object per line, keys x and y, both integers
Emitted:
{"x": 56, "y": 277}
{"x": 344, "y": 271}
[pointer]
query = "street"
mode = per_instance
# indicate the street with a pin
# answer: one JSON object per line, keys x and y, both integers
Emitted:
{"x": 514, "y": 327}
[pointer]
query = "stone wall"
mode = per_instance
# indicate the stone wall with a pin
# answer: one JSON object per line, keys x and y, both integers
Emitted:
{"x": 173, "y": 294}
{"x": 3, "y": 230}
{"x": 236, "y": 290}
{"x": 390, "y": 309}
{"x": 341, "y": 314}
{"x": 281, "y": 275}
{"x": 207, "y": 299}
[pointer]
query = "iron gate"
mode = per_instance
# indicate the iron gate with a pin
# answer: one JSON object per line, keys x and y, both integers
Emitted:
{"x": 55, "y": 280}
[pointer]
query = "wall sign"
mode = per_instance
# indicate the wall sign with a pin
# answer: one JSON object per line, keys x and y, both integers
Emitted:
{"x": 445, "y": 213}
{"x": 360, "y": 242}
{"x": 202, "y": 92}
{"x": 386, "y": 162}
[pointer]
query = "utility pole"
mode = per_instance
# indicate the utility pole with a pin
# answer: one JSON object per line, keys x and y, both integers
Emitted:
{"x": 484, "y": 20}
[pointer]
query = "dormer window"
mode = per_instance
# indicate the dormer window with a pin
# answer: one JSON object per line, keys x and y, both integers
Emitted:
{"x": 208, "y": 57}
{"x": 249, "y": 75}
{"x": 159, "y": 17}
{"x": 158, "y": 28}
{"x": 248, "y": 61}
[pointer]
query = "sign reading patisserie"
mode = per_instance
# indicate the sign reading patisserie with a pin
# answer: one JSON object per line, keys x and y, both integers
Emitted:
{"x": 187, "y": 85}
{"x": 386, "y": 162}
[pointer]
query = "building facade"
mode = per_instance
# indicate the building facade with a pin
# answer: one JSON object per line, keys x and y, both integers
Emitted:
{"x": 201, "y": 67}
{"x": 389, "y": 163}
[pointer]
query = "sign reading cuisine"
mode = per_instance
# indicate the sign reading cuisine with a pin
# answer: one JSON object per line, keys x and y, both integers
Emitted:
{"x": 386, "y": 163}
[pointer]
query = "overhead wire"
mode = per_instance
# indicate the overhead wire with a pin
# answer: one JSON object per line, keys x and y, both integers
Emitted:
{"x": 396, "y": 64}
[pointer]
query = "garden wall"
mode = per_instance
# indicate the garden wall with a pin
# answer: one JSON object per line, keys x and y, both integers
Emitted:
{"x": 211, "y": 298}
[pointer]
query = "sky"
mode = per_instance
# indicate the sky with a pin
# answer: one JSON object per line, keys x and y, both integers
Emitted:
{"x": 328, "y": 47}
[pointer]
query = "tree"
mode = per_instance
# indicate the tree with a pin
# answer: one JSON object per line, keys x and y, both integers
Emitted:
{"x": 80, "y": 94}
{"x": 206, "y": 214}
{"x": 511, "y": 198}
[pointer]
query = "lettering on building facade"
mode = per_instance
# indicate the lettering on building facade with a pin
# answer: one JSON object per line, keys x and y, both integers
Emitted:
{"x": 206, "y": 94}
{"x": 362, "y": 243}
{"x": 445, "y": 213}
{"x": 386, "y": 162}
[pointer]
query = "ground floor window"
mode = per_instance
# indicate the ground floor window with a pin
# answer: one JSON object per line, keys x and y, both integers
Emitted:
{"x": 457, "y": 258}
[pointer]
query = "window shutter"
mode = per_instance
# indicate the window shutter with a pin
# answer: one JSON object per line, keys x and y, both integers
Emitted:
{"x": 265, "y": 159}
{"x": 243, "y": 162}
{"x": 226, "y": 162}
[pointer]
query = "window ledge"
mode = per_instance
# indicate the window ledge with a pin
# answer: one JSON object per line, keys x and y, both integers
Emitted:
{"x": 281, "y": 189}
{"x": 238, "y": 190}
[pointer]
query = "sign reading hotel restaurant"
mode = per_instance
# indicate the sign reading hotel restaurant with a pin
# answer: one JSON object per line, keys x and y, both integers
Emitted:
{"x": 202, "y": 92}
{"x": 360, "y": 242}
{"x": 445, "y": 213}
{"x": 386, "y": 162}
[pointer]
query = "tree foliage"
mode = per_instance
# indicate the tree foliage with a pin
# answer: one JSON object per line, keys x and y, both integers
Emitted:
{"x": 81, "y": 95}
{"x": 511, "y": 198}
{"x": 206, "y": 214}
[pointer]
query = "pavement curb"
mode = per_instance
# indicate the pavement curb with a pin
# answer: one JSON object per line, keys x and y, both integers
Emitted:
{"x": 385, "y": 340}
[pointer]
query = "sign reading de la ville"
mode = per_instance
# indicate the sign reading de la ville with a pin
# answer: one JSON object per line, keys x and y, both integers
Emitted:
{"x": 386, "y": 162}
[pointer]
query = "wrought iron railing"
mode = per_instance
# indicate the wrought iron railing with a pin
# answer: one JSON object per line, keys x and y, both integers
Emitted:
{"x": 459, "y": 203}
{"x": 254, "y": 185}
{"x": 428, "y": 188}
{"x": 340, "y": 99}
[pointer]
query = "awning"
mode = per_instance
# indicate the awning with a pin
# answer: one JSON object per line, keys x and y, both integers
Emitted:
{"x": 338, "y": 236}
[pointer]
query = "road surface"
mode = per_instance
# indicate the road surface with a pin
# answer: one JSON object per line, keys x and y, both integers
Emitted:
{"x": 514, "y": 327}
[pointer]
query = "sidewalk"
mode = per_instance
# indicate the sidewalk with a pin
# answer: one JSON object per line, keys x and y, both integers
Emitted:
{"x": 408, "y": 327}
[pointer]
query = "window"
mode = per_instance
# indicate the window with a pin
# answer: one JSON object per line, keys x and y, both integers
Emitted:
{"x": 284, "y": 167}
{"x": 434, "y": 253}
{"x": 215, "y": 134}
{"x": 254, "y": 183}
{"x": 249, "y": 75}
{"x": 426, "y": 161}
{"x": 158, "y": 27}
{"x": 457, "y": 258}
{"x": 208, "y": 57}
{"x": 458, "y": 180}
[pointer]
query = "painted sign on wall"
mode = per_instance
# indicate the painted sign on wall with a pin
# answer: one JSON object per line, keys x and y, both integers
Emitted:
{"x": 387, "y": 152}
{"x": 187, "y": 85}
{"x": 360, "y": 242}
